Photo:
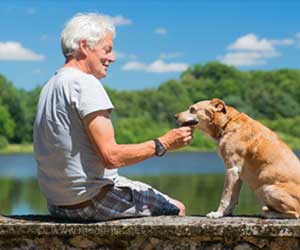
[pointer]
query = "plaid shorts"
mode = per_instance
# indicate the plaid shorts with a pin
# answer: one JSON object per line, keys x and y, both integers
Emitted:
{"x": 127, "y": 198}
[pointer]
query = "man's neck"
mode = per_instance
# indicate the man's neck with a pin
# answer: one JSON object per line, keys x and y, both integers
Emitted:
{"x": 78, "y": 64}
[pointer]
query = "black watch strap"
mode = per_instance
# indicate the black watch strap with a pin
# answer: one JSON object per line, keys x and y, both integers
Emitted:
{"x": 160, "y": 150}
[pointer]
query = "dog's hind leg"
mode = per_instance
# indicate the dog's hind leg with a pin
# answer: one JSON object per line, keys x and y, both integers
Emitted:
{"x": 275, "y": 215}
{"x": 281, "y": 204}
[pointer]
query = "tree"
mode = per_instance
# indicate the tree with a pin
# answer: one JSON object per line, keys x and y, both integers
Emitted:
{"x": 7, "y": 125}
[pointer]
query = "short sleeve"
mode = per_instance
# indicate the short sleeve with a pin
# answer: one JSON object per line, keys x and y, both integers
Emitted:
{"x": 91, "y": 96}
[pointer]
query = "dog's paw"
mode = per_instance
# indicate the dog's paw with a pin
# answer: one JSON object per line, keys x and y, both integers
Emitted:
{"x": 215, "y": 215}
{"x": 265, "y": 209}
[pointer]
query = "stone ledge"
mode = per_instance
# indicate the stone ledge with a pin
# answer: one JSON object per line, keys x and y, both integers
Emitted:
{"x": 189, "y": 226}
{"x": 165, "y": 232}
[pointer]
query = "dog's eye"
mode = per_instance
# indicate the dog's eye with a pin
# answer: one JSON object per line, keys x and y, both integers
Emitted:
{"x": 193, "y": 110}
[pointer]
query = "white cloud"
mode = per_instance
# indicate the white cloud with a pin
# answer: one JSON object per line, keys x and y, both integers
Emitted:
{"x": 158, "y": 66}
{"x": 286, "y": 42}
{"x": 120, "y": 20}
{"x": 247, "y": 58}
{"x": 170, "y": 55}
{"x": 243, "y": 59}
{"x": 14, "y": 51}
{"x": 249, "y": 50}
{"x": 134, "y": 66}
{"x": 161, "y": 31}
{"x": 251, "y": 42}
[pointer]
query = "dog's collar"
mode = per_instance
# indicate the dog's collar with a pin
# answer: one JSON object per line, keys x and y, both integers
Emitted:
{"x": 223, "y": 128}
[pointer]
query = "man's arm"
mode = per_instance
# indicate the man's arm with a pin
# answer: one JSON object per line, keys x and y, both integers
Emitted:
{"x": 113, "y": 155}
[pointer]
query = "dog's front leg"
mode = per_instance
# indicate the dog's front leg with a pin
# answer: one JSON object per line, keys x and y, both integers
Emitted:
{"x": 230, "y": 195}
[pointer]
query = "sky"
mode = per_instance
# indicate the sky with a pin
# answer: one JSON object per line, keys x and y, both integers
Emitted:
{"x": 155, "y": 40}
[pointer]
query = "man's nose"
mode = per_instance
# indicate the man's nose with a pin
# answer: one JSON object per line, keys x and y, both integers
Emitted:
{"x": 176, "y": 116}
{"x": 112, "y": 57}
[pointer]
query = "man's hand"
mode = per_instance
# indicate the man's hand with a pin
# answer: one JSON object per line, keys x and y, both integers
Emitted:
{"x": 177, "y": 138}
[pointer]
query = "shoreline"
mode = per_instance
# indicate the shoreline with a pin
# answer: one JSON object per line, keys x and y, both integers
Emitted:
{"x": 17, "y": 149}
{"x": 28, "y": 149}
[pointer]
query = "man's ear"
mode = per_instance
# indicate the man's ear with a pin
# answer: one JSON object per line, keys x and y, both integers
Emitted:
{"x": 218, "y": 105}
{"x": 83, "y": 47}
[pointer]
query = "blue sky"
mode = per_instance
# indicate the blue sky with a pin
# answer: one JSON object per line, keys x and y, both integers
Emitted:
{"x": 156, "y": 40}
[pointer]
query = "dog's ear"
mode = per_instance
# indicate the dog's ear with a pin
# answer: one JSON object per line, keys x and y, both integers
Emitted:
{"x": 218, "y": 105}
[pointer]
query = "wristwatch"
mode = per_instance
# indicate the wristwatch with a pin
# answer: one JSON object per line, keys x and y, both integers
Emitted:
{"x": 159, "y": 148}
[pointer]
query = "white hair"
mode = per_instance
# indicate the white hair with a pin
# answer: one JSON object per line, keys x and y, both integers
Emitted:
{"x": 91, "y": 27}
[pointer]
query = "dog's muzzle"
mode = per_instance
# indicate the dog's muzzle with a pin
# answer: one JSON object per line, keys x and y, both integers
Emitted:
{"x": 189, "y": 123}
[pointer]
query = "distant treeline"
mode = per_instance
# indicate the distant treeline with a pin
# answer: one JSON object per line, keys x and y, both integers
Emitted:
{"x": 272, "y": 97}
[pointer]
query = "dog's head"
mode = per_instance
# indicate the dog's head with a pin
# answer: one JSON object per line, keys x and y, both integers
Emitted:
{"x": 207, "y": 115}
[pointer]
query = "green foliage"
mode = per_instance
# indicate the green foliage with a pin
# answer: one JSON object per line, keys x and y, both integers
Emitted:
{"x": 202, "y": 142}
{"x": 17, "y": 111}
{"x": 3, "y": 142}
{"x": 270, "y": 96}
{"x": 138, "y": 129}
{"x": 287, "y": 128}
{"x": 7, "y": 125}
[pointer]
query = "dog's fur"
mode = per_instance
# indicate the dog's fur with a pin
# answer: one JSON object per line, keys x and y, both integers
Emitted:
{"x": 251, "y": 153}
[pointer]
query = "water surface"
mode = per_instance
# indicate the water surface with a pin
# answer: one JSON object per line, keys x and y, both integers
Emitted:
{"x": 194, "y": 178}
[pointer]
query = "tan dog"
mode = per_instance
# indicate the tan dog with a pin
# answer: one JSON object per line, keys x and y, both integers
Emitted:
{"x": 251, "y": 153}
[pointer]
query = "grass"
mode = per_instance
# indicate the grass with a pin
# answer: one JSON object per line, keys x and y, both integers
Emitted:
{"x": 17, "y": 149}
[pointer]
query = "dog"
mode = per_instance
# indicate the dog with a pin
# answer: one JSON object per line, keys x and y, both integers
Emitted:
{"x": 252, "y": 153}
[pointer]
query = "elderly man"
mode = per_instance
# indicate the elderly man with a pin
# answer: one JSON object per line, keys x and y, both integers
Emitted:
{"x": 74, "y": 142}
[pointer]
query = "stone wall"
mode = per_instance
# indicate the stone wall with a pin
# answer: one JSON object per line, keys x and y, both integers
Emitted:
{"x": 166, "y": 232}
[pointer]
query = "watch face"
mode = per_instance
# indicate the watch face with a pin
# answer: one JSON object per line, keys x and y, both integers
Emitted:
{"x": 161, "y": 151}
{"x": 159, "y": 148}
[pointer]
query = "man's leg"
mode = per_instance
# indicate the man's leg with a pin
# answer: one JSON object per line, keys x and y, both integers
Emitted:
{"x": 125, "y": 199}
{"x": 136, "y": 199}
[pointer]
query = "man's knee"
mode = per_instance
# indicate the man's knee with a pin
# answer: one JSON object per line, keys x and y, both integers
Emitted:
{"x": 181, "y": 207}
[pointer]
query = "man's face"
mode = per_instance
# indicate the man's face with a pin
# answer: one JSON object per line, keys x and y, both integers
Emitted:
{"x": 99, "y": 58}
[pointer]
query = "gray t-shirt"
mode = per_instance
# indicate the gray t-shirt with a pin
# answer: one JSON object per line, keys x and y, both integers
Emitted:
{"x": 69, "y": 170}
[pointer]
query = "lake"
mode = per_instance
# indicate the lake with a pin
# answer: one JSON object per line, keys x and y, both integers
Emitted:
{"x": 195, "y": 178}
